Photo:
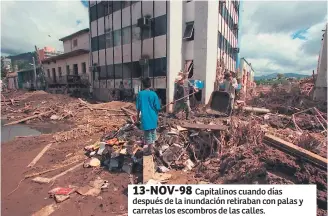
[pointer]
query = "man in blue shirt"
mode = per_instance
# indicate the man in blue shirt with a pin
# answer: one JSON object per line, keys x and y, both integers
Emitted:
{"x": 148, "y": 106}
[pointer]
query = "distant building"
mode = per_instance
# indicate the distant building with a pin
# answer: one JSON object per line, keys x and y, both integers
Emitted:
{"x": 246, "y": 74}
{"x": 47, "y": 52}
{"x": 320, "y": 91}
{"x": 72, "y": 64}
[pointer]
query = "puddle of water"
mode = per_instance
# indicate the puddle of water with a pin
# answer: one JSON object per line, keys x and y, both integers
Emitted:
{"x": 9, "y": 132}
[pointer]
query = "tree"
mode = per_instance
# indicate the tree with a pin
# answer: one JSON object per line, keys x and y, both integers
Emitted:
{"x": 280, "y": 76}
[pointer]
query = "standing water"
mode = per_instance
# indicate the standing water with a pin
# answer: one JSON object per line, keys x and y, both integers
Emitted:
{"x": 9, "y": 132}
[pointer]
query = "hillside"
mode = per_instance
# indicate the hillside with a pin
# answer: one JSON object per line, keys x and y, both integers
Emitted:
{"x": 274, "y": 75}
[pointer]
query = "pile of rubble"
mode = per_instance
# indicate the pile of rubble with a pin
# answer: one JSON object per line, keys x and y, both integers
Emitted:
{"x": 118, "y": 151}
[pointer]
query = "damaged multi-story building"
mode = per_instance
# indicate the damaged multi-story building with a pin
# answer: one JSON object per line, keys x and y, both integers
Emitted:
{"x": 157, "y": 39}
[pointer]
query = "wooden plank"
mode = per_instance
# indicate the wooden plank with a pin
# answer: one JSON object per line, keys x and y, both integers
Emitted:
{"x": 296, "y": 150}
{"x": 203, "y": 126}
{"x": 148, "y": 168}
{"x": 37, "y": 158}
{"x": 255, "y": 109}
{"x": 128, "y": 111}
{"x": 28, "y": 118}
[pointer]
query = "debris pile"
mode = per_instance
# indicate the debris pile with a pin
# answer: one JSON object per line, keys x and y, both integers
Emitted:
{"x": 118, "y": 151}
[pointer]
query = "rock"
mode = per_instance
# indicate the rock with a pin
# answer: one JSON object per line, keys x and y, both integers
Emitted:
{"x": 61, "y": 198}
{"x": 54, "y": 117}
{"x": 113, "y": 163}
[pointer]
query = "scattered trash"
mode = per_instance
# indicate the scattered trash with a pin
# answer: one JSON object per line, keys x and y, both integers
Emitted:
{"x": 61, "y": 198}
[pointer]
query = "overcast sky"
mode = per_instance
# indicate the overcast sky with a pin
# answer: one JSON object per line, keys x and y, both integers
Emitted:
{"x": 275, "y": 36}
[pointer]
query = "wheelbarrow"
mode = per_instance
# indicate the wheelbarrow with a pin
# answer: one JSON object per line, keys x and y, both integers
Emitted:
{"x": 220, "y": 103}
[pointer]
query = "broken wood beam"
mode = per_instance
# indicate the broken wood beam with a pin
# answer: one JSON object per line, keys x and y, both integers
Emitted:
{"x": 37, "y": 158}
{"x": 129, "y": 112}
{"x": 255, "y": 109}
{"x": 295, "y": 150}
{"x": 47, "y": 180}
{"x": 29, "y": 118}
{"x": 203, "y": 126}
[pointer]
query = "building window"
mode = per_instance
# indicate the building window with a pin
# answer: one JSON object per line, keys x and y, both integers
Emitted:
{"x": 101, "y": 9}
{"x": 110, "y": 71}
{"x": 136, "y": 70}
{"x": 48, "y": 72}
{"x": 84, "y": 68}
{"x": 103, "y": 73}
{"x": 159, "y": 26}
{"x": 160, "y": 67}
{"x": 116, "y": 6}
{"x": 117, "y": 37}
{"x": 75, "y": 69}
{"x": 59, "y": 72}
{"x": 118, "y": 71}
{"x": 126, "y": 34}
{"x": 109, "y": 39}
{"x": 189, "y": 31}
{"x": 54, "y": 74}
{"x": 75, "y": 43}
{"x": 93, "y": 13}
{"x": 146, "y": 33}
{"x": 94, "y": 44}
{"x": 135, "y": 33}
{"x": 67, "y": 70}
{"x": 102, "y": 42}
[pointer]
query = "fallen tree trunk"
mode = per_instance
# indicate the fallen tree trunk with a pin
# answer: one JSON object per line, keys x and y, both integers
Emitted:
{"x": 255, "y": 109}
{"x": 296, "y": 150}
{"x": 28, "y": 118}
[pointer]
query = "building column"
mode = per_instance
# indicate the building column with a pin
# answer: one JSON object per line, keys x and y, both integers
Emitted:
{"x": 174, "y": 46}
{"x": 320, "y": 90}
{"x": 206, "y": 45}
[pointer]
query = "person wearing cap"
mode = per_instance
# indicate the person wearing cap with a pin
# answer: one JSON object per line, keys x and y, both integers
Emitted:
{"x": 182, "y": 86}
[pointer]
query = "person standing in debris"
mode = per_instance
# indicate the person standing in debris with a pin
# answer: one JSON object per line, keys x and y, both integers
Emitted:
{"x": 183, "y": 86}
{"x": 229, "y": 85}
{"x": 148, "y": 106}
{"x": 121, "y": 88}
{"x": 238, "y": 89}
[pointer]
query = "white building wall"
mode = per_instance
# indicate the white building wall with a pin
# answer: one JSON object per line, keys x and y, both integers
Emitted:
{"x": 82, "y": 43}
{"x": 69, "y": 61}
{"x": 201, "y": 49}
{"x": 174, "y": 55}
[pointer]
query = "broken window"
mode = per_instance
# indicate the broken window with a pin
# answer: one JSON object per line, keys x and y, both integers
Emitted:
{"x": 189, "y": 31}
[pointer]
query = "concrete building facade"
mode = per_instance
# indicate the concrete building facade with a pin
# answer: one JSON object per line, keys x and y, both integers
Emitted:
{"x": 320, "y": 90}
{"x": 73, "y": 64}
{"x": 157, "y": 39}
{"x": 246, "y": 74}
